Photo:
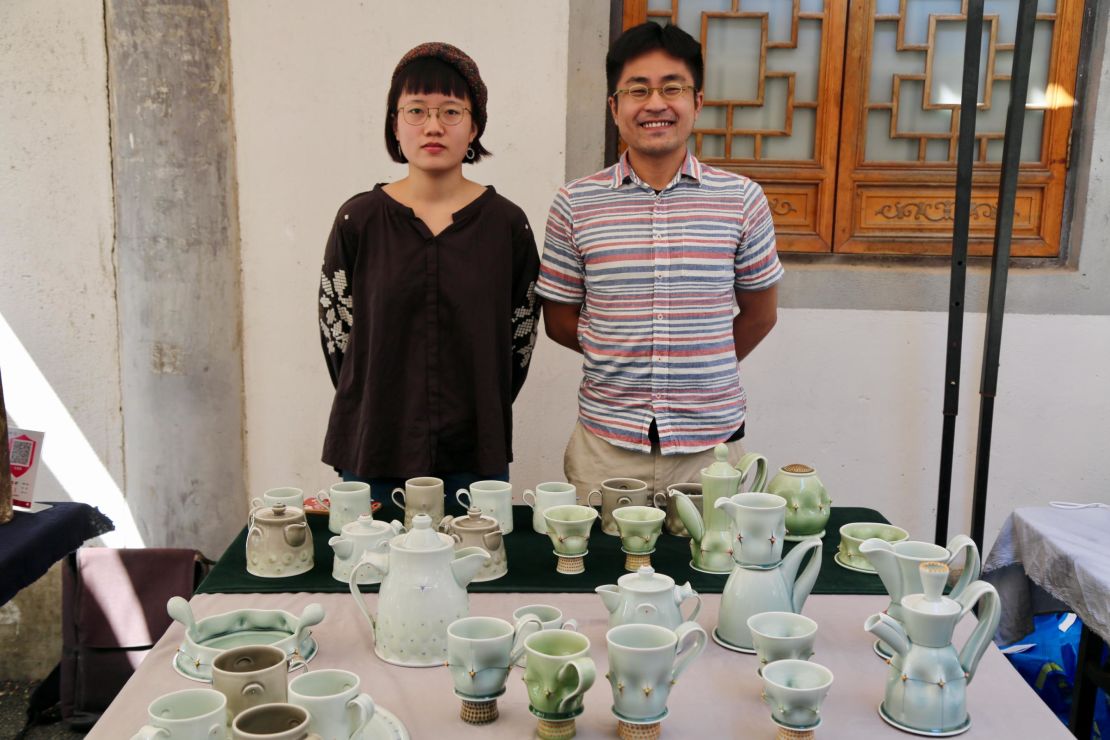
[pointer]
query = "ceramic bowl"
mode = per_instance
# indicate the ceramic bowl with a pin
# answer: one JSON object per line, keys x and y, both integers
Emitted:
{"x": 639, "y": 526}
{"x": 782, "y": 636}
{"x": 569, "y": 526}
{"x": 853, "y": 535}
{"x": 795, "y": 690}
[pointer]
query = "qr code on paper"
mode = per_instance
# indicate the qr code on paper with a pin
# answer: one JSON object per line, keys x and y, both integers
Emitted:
{"x": 21, "y": 451}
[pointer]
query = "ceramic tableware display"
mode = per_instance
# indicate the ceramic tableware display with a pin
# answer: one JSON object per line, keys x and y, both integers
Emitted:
{"x": 673, "y": 523}
{"x": 781, "y": 636}
{"x": 279, "y": 542}
{"x": 207, "y": 638}
{"x": 480, "y": 653}
{"x": 337, "y": 709}
{"x": 559, "y": 672}
{"x": 761, "y": 580}
{"x": 420, "y": 496}
{"x": 807, "y": 502}
{"x": 477, "y": 530}
{"x": 615, "y": 493}
{"x": 926, "y": 684}
{"x": 494, "y": 498}
{"x": 278, "y": 721}
{"x": 249, "y": 676}
{"x": 192, "y": 714}
{"x": 711, "y": 537}
{"x": 544, "y": 497}
{"x": 345, "y": 503}
{"x": 359, "y": 536}
{"x": 795, "y": 690}
{"x": 551, "y": 618}
{"x": 647, "y": 597}
{"x": 569, "y": 527}
{"x": 423, "y": 590}
{"x": 285, "y": 495}
{"x": 854, "y": 534}
{"x": 639, "y": 528}
{"x": 645, "y": 661}
{"x": 898, "y": 566}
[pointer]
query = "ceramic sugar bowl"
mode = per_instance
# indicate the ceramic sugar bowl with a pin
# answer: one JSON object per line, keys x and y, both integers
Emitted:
{"x": 279, "y": 542}
{"x": 357, "y": 537}
{"x": 647, "y": 597}
{"x": 807, "y": 502}
{"x": 478, "y": 530}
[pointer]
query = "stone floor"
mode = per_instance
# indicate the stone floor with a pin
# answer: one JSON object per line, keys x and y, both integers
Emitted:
{"x": 14, "y": 696}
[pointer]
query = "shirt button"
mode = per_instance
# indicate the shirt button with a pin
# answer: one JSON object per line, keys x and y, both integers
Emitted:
{"x": 659, "y": 316}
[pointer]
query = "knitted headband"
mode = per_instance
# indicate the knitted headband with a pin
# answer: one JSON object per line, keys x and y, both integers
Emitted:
{"x": 463, "y": 64}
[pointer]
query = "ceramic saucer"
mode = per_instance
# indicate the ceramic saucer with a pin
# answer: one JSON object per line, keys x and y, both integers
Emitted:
{"x": 710, "y": 572}
{"x": 384, "y": 725}
{"x": 963, "y": 727}
{"x": 849, "y": 566}
{"x": 729, "y": 646}
{"x": 188, "y": 667}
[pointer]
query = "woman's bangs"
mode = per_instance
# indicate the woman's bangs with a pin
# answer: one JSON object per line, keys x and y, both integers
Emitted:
{"x": 427, "y": 75}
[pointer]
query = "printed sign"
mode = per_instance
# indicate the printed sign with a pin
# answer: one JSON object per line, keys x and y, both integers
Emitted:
{"x": 25, "y": 450}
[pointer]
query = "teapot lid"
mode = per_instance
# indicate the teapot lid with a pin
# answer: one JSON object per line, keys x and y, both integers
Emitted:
{"x": 279, "y": 514}
{"x": 474, "y": 521}
{"x": 645, "y": 580}
{"x": 933, "y": 578}
{"x": 721, "y": 468}
{"x": 365, "y": 524}
{"x": 422, "y": 536}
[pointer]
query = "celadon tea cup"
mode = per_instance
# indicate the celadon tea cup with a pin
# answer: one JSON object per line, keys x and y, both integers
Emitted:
{"x": 639, "y": 527}
{"x": 278, "y": 721}
{"x": 192, "y": 714}
{"x": 481, "y": 651}
{"x": 336, "y": 708}
{"x": 284, "y": 495}
{"x": 645, "y": 661}
{"x": 250, "y": 675}
{"x": 795, "y": 690}
{"x": 569, "y": 526}
{"x": 551, "y": 618}
{"x": 346, "y": 502}
{"x": 546, "y": 495}
{"x": 494, "y": 498}
{"x": 853, "y": 535}
{"x": 558, "y": 673}
{"x": 782, "y": 636}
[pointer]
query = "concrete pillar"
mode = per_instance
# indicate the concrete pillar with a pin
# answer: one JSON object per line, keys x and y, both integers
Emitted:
{"x": 177, "y": 269}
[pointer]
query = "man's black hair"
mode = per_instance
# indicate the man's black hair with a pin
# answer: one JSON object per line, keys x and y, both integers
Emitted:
{"x": 646, "y": 37}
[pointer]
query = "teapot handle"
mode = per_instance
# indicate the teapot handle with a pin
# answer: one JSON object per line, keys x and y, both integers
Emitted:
{"x": 972, "y": 564}
{"x": 352, "y": 583}
{"x": 684, "y": 592}
{"x": 524, "y": 497}
{"x": 989, "y": 615}
{"x": 445, "y": 523}
{"x": 745, "y": 466}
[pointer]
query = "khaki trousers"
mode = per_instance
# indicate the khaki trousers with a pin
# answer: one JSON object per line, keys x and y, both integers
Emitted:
{"x": 589, "y": 460}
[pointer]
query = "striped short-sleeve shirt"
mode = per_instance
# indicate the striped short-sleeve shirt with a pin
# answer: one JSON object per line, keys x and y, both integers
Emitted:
{"x": 656, "y": 274}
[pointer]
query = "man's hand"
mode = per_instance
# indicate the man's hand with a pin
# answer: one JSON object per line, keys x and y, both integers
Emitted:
{"x": 560, "y": 321}
{"x": 758, "y": 314}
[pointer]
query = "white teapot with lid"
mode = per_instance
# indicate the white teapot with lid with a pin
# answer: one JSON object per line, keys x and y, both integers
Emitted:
{"x": 423, "y": 590}
{"x": 357, "y": 537}
{"x": 647, "y": 597}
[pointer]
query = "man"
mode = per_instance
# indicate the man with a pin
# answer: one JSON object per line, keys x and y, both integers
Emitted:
{"x": 640, "y": 265}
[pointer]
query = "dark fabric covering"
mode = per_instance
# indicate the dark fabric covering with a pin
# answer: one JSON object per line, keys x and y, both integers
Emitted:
{"x": 31, "y": 543}
{"x": 532, "y": 564}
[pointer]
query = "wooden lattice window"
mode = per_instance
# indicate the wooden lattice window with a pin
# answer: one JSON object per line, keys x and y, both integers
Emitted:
{"x": 847, "y": 113}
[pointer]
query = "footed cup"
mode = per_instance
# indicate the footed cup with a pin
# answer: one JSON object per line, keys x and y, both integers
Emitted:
{"x": 782, "y": 636}
{"x": 795, "y": 690}
{"x": 569, "y": 526}
{"x": 639, "y": 526}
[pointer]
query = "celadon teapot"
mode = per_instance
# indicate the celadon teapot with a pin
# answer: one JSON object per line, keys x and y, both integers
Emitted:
{"x": 424, "y": 580}
{"x": 898, "y": 565}
{"x": 710, "y": 533}
{"x": 365, "y": 533}
{"x": 926, "y": 685}
{"x": 647, "y": 597}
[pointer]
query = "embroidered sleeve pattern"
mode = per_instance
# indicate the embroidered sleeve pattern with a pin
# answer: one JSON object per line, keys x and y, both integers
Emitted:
{"x": 335, "y": 306}
{"x": 526, "y": 307}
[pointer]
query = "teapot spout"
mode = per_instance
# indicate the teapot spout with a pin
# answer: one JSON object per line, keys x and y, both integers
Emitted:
{"x": 881, "y": 555}
{"x": 689, "y": 515}
{"x": 889, "y": 631}
{"x": 730, "y": 507}
{"x": 468, "y": 561}
{"x": 341, "y": 547}
{"x": 610, "y": 596}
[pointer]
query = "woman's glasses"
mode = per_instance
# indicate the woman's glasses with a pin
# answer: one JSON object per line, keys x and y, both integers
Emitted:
{"x": 449, "y": 115}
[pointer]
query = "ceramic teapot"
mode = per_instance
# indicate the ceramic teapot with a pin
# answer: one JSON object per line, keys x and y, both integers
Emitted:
{"x": 279, "y": 542}
{"x": 760, "y": 582}
{"x": 807, "y": 502}
{"x": 478, "y": 530}
{"x": 709, "y": 529}
{"x": 423, "y": 590}
{"x": 898, "y": 565}
{"x": 647, "y": 597}
{"x": 926, "y": 686}
{"x": 357, "y": 537}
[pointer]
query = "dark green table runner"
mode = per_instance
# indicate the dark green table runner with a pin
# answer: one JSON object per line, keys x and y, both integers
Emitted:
{"x": 532, "y": 563}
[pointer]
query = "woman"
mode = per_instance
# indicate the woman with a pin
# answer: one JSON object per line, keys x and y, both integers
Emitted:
{"x": 427, "y": 309}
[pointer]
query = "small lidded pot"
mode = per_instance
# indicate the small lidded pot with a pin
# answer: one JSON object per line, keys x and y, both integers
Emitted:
{"x": 807, "y": 502}
{"x": 279, "y": 542}
{"x": 478, "y": 530}
{"x": 365, "y": 533}
{"x": 647, "y": 597}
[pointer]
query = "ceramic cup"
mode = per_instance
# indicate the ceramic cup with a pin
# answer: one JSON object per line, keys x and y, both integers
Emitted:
{"x": 763, "y": 528}
{"x": 569, "y": 526}
{"x": 852, "y": 536}
{"x": 673, "y": 523}
{"x": 273, "y": 722}
{"x": 420, "y": 496}
{"x": 781, "y": 636}
{"x": 558, "y": 673}
{"x": 544, "y": 497}
{"x": 192, "y": 714}
{"x": 250, "y": 675}
{"x": 639, "y": 527}
{"x": 494, "y": 498}
{"x": 645, "y": 661}
{"x": 615, "y": 493}
{"x": 332, "y": 699}
{"x": 551, "y": 618}
{"x": 346, "y": 502}
{"x": 795, "y": 689}
{"x": 284, "y": 495}
{"x": 481, "y": 650}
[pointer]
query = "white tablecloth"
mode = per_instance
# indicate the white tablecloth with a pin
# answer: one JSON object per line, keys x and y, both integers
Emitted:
{"x": 718, "y": 697}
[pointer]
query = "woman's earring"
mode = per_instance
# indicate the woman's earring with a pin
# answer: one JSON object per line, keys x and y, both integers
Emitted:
{"x": 470, "y": 153}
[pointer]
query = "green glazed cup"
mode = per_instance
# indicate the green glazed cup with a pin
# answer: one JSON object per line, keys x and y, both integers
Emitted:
{"x": 558, "y": 674}
{"x": 569, "y": 526}
{"x": 853, "y": 535}
{"x": 639, "y": 527}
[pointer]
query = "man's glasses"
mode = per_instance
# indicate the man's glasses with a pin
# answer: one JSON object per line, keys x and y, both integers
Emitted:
{"x": 640, "y": 93}
{"x": 449, "y": 115}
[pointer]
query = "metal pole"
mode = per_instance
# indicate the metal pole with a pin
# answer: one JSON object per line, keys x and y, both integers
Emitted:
{"x": 965, "y": 158}
{"x": 1003, "y": 233}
